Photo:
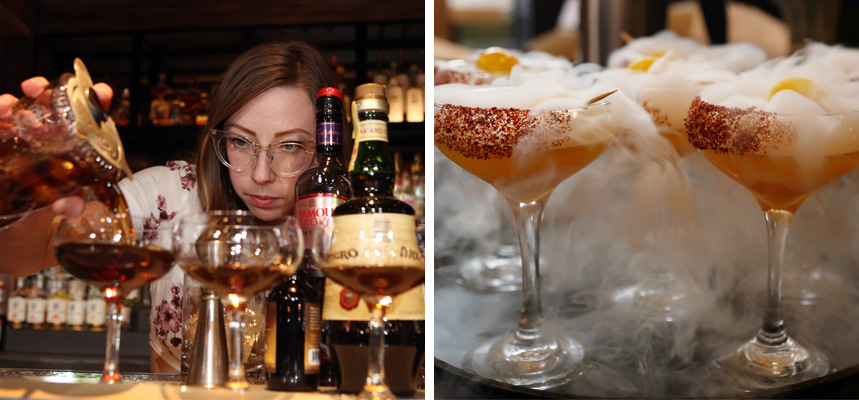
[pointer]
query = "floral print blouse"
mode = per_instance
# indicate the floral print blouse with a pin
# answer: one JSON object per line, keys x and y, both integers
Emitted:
{"x": 162, "y": 195}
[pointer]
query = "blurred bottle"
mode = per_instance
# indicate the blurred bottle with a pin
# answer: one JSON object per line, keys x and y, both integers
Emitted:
{"x": 189, "y": 97}
{"x": 403, "y": 188}
{"x": 37, "y": 302}
{"x": 17, "y": 311}
{"x": 129, "y": 304}
{"x": 415, "y": 96}
{"x": 122, "y": 113}
{"x": 379, "y": 74}
{"x": 419, "y": 188}
{"x": 76, "y": 316}
{"x": 201, "y": 109}
{"x": 396, "y": 97}
{"x": 58, "y": 301}
{"x": 96, "y": 308}
{"x": 160, "y": 107}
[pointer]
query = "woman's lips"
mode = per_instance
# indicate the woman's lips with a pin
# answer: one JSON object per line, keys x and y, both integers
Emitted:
{"x": 263, "y": 201}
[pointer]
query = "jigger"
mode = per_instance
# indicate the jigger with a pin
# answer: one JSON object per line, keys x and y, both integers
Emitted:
{"x": 209, "y": 363}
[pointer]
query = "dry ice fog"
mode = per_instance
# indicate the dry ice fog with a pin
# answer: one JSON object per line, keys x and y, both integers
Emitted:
{"x": 656, "y": 262}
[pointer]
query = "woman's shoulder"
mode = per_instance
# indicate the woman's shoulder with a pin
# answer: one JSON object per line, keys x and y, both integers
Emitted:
{"x": 161, "y": 190}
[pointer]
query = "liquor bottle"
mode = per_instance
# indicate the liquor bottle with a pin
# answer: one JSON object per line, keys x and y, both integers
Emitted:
{"x": 294, "y": 311}
{"x": 415, "y": 97}
{"x": 58, "y": 302}
{"x": 403, "y": 188}
{"x": 96, "y": 308}
{"x": 37, "y": 302}
{"x": 418, "y": 185}
{"x": 396, "y": 97}
{"x": 345, "y": 318}
{"x": 76, "y": 316}
{"x": 17, "y": 312}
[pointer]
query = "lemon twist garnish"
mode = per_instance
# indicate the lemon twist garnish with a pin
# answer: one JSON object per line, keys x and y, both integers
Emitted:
{"x": 497, "y": 59}
{"x": 643, "y": 64}
{"x": 803, "y": 86}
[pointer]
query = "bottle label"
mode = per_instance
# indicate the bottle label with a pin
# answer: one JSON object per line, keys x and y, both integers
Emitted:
{"x": 329, "y": 133}
{"x": 17, "y": 309}
{"x": 36, "y": 309}
{"x": 96, "y": 312}
{"x": 314, "y": 210}
{"x": 366, "y": 239}
{"x": 270, "y": 358}
{"x": 372, "y": 129}
{"x": 76, "y": 312}
{"x": 342, "y": 304}
{"x": 57, "y": 311}
{"x": 312, "y": 336}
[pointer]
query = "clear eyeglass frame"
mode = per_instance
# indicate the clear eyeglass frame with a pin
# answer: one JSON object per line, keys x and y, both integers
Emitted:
{"x": 304, "y": 152}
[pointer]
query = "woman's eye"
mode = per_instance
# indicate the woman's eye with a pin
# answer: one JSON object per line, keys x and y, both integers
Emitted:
{"x": 287, "y": 146}
{"x": 238, "y": 142}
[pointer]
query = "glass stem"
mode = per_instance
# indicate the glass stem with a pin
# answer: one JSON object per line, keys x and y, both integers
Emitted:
{"x": 528, "y": 218}
{"x": 235, "y": 320}
{"x": 376, "y": 368}
{"x": 114, "y": 324}
{"x": 772, "y": 330}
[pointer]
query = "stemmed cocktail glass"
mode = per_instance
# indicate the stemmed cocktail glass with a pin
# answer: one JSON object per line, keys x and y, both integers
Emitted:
{"x": 525, "y": 154}
{"x": 379, "y": 256}
{"x": 237, "y": 256}
{"x": 781, "y": 159}
{"x": 104, "y": 251}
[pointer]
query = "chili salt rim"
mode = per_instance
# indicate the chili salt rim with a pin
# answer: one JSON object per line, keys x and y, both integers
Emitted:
{"x": 492, "y": 133}
{"x": 736, "y": 130}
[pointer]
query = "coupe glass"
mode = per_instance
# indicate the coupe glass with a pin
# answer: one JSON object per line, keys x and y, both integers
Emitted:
{"x": 525, "y": 154}
{"x": 104, "y": 251}
{"x": 237, "y": 256}
{"x": 781, "y": 159}
{"x": 378, "y": 256}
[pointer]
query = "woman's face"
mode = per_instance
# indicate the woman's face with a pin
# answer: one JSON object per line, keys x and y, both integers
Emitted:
{"x": 279, "y": 114}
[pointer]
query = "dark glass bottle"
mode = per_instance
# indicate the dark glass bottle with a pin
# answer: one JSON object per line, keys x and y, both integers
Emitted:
{"x": 294, "y": 316}
{"x": 345, "y": 317}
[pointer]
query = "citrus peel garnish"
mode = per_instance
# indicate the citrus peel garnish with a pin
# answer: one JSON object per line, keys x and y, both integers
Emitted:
{"x": 497, "y": 59}
{"x": 803, "y": 86}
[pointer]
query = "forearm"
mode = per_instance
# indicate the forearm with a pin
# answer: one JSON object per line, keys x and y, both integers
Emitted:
{"x": 25, "y": 245}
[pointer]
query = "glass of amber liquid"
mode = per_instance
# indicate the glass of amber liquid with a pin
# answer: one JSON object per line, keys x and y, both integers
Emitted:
{"x": 781, "y": 159}
{"x": 525, "y": 154}
{"x": 112, "y": 256}
{"x": 237, "y": 256}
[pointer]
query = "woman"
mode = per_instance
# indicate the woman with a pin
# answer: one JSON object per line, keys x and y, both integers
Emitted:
{"x": 265, "y": 98}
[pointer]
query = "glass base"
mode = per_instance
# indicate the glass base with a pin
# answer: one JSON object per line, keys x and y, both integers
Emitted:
{"x": 756, "y": 365}
{"x": 498, "y": 272}
{"x": 376, "y": 392}
{"x": 543, "y": 363}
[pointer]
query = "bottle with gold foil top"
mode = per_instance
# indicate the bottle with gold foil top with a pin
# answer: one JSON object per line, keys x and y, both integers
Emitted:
{"x": 346, "y": 331}
{"x": 16, "y": 314}
{"x": 58, "y": 302}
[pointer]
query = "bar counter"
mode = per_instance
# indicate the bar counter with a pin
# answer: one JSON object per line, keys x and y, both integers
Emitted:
{"x": 48, "y": 384}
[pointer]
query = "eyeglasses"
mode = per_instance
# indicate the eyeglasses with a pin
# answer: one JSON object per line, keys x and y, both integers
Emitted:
{"x": 286, "y": 158}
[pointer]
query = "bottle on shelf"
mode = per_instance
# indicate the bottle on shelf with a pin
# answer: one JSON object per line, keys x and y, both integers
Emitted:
{"x": 76, "y": 316}
{"x": 294, "y": 310}
{"x": 96, "y": 308}
{"x": 403, "y": 188}
{"x": 345, "y": 316}
{"x": 419, "y": 186}
{"x": 122, "y": 113}
{"x": 160, "y": 107}
{"x": 37, "y": 302}
{"x": 396, "y": 97}
{"x": 415, "y": 96}
{"x": 17, "y": 311}
{"x": 58, "y": 301}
